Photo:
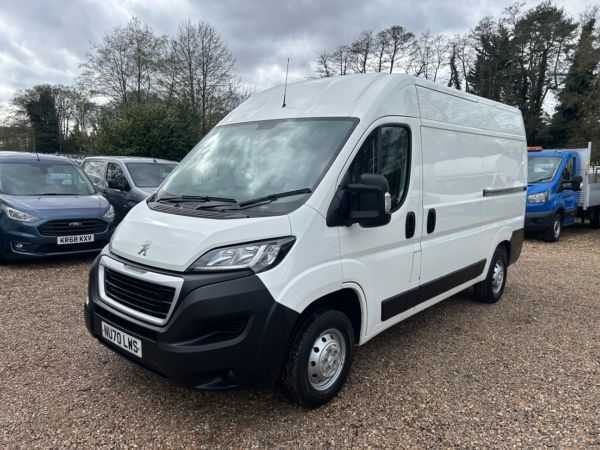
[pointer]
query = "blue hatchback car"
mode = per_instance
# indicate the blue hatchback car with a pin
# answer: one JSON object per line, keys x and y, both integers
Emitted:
{"x": 49, "y": 207}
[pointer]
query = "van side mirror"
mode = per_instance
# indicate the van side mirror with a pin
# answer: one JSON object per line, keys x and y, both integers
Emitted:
{"x": 576, "y": 183}
{"x": 116, "y": 184}
{"x": 367, "y": 203}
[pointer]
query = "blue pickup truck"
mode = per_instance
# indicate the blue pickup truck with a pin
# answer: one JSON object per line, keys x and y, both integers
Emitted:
{"x": 561, "y": 188}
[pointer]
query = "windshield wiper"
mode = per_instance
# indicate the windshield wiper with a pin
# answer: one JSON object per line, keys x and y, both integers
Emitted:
{"x": 271, "y": 197}
{"x": 541, "y": 179}
{"x": 195, "y": 198}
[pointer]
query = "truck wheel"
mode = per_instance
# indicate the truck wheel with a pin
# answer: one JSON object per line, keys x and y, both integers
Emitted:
{"x": 319, "y": 358}
{"x": 595, "y": 217}
{"x": 490, "y": 290}
{"x": 553, "y": 234}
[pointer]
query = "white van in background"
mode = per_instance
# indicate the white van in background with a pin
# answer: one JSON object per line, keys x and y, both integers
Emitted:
{"x": 295, "y": 231}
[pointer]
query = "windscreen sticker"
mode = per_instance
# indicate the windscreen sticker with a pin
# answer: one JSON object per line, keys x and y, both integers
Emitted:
{"x": 59, "y": 178}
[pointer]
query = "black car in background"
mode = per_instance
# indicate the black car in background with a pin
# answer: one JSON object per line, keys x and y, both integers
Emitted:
{"x": 124, "y": 180}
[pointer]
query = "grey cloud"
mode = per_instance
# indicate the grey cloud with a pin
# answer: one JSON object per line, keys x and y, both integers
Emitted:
{"x": 44, "y": 40}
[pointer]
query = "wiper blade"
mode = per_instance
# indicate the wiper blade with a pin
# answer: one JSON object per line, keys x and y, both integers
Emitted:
{"x": 542, "y": 179}
{"x": 271, "y": 197}
{"x": 196, "y": 198}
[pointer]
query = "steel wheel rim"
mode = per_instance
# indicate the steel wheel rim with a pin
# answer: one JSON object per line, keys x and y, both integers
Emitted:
{"x": 498, "y": 277}
{"x": 556, "y": 228}
{"x": 326, "y": 359}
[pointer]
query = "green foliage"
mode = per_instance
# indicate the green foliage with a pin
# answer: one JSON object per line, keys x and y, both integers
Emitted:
{"x": 159, "y": 131}
{"x": 575, "y": 121}
{"x": 38, "y": 105}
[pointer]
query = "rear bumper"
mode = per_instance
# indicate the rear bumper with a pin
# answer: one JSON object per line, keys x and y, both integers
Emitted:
{"x": 226, "y": 331}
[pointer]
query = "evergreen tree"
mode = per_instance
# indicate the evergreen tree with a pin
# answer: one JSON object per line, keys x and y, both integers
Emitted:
{"x": 573, "y": 123}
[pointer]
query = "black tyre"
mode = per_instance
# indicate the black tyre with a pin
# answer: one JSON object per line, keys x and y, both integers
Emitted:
{"x": 319, "y": 358}
{"x": 555, "y": 230}
{"x": 595, "y": 217}
{"x": 490, "y": 290}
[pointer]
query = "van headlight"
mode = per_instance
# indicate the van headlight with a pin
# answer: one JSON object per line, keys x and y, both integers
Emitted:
{"x": 257, "y": 256}
{"x": 540, "y": 197}
{"x": 21, "y": 216}
{"x": 109, "y": 215}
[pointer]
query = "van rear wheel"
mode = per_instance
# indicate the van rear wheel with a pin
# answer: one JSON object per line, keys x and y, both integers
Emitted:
{"x": 319, "y": 358}
{"x": 490, "y": 290}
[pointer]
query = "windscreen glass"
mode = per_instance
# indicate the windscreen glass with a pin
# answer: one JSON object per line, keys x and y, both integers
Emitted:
{"x": 43, "y": 178}
{"x": 146, "y": 175}
{"x": 250, "y": 160}
{"x": 542, "y": 168}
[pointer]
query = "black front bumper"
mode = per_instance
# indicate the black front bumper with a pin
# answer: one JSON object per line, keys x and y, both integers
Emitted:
{"x": 538, "y": 222}
{"x": 226, "y": 331}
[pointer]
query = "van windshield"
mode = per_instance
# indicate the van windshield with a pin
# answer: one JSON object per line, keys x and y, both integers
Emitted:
{"x": 247, "y": 161}
{"x": 146, "y": 175}
{"x": 43, "y": 178}
{"x": 542, "y": 168}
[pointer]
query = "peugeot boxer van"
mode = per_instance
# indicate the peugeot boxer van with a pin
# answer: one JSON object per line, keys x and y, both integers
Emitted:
{"x": 297, "y": 230}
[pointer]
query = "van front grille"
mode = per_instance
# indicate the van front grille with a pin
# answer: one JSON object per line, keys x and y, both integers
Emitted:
{"x": 142, "y": 296}
{"x": 72, "y": 227}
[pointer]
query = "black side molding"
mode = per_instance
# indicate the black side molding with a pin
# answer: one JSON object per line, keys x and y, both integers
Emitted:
{"x": 407, "y": 300}
{"x": 494, "y": 192}
{"x": 516, "y": 244}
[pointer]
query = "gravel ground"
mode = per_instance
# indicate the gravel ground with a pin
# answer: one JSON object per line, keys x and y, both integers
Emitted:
{"x": 522, "y": 373}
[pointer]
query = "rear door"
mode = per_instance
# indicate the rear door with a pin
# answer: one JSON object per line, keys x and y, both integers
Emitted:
{"x": 384, "y": 260}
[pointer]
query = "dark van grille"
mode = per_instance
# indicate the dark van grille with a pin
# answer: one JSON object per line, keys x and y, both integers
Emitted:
{"x": 148, "y": 298}
{"x": 72, "y": 227}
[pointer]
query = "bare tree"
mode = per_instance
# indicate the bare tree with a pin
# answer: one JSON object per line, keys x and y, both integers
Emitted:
{"x": 341, "y": 60}
{"x": 124, "y": 66}
{"x": 325, "y": 65}
{"x": 382, "y": 47}
{"x": 361, "y": 50}
{"x": 400, "y": 44}
{"x": 431, "y": 52}
{"x": 205, "y": 65}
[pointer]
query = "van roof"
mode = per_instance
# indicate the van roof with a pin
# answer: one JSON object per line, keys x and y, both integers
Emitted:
{"x": 12, "y": 156}
{"x": 129, "y": 159}
{"x": 358, "y": 95}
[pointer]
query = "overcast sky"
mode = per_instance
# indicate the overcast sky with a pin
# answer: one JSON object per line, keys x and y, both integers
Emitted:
{"x": 43, "y": 41}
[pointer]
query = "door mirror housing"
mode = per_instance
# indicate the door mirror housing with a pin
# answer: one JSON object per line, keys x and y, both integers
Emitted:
{"x": 119, "y": 185}
{"x": 572, "y": 185}
{"x": 367, "y": 203}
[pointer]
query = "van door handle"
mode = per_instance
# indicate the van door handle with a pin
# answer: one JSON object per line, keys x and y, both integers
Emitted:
{"x": 410, "y": 224}
{"x": 431, "y": 219}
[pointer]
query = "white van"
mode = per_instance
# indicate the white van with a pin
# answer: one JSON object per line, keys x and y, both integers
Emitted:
{"x": 295, "y": 231}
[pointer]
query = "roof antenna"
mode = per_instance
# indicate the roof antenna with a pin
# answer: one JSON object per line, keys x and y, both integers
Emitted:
{"x": 285, "y": 86}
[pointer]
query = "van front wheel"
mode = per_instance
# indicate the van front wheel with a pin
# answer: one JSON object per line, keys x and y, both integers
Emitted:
{"x": 490, "y": 290}
{"x": 319, "y": 358}
{"x": 555, "y": 230}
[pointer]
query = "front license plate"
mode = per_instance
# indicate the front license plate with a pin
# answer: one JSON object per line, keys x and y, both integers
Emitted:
{"x": 65, "y": 240}
{"x": 123, "y": 340}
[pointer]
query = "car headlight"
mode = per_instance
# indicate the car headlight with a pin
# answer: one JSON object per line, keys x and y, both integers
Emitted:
{"x": 21, "y": 216}
{"x": 257, "y": 256}
{"x": 109, "y": 214}
{"x": 540, "y": 197}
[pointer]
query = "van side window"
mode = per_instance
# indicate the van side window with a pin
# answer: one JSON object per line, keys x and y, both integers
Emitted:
{"x": 115, "y": 173}
{"x": 386, "y": 151}
{"x": 93, "y": 169}
{"x": 569, "y": 171}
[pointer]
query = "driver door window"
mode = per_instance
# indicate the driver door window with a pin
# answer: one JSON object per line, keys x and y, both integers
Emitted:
{"x": 114, "y": 175}
{"x": 386, "y": 152}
